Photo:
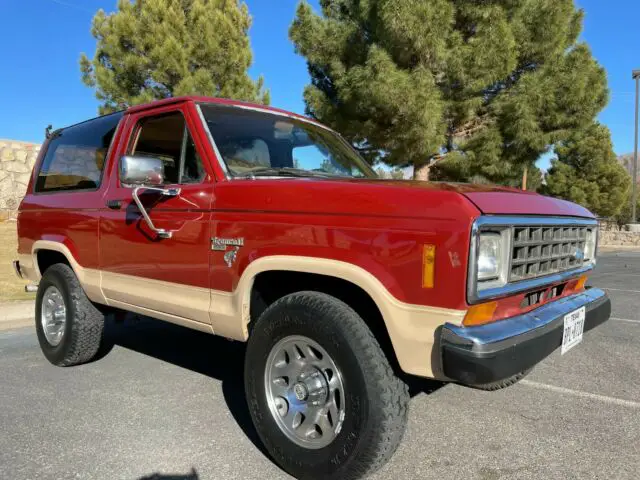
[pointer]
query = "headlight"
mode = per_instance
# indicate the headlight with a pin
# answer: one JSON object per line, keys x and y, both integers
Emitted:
{"x": 590, "y": 245}
{"x": 489, "y": 256}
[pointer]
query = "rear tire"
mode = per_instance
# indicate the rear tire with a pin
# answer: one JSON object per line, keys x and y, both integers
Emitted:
{"x": 68, "y": 324}
{"x": 372, "y": 419}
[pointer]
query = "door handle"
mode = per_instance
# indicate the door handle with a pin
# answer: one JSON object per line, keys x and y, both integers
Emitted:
{"x": 114, "y": 204}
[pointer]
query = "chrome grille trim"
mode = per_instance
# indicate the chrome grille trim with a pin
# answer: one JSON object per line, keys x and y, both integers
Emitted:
{"x": 539, "y": 250}
{"x": 515, "y": 286}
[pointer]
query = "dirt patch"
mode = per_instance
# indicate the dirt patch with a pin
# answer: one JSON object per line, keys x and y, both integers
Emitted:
{"x": 11, "y": 287}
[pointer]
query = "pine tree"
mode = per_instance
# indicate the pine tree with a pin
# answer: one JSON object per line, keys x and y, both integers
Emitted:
{"x": 587, "y": 171}
{"x": 623, "y": 217}
{"x": 152, "y": 49}
{"x": 468, "y": 89}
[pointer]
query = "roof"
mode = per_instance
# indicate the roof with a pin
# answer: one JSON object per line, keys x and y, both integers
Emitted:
{"x": 58, "y": 130}
{"x": 202, "y": 99}
{"x": 221, "y": 101}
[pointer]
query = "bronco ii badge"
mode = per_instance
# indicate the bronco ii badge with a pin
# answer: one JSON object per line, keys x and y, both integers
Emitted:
{"x": 221, "y": 244}
{"x": 230, "y": 256}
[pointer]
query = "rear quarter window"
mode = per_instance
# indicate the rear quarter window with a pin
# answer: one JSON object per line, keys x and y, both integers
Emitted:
{"x": 76, "y": 156}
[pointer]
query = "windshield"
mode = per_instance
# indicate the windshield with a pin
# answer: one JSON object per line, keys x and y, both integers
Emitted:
{"x": 254, "y": 143}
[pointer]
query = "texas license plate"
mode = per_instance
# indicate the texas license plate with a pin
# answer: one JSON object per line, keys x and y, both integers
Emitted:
{"x": 573, "y": 328}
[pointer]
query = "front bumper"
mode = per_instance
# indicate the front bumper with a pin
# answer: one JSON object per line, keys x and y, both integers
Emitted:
{"x": 495, "y": 351}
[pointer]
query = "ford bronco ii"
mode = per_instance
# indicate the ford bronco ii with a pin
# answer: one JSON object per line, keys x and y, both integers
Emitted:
{"x": 266, "y": 227}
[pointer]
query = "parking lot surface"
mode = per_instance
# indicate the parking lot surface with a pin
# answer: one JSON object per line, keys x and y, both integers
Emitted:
{"x": 169, "y": 401}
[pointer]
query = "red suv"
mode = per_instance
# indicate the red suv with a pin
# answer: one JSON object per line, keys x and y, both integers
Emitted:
{"x": 267, "y": 227}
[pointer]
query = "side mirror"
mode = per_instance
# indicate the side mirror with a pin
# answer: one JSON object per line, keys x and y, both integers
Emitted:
{"x": 141, "y": 170}
{"x": 146, "y": 173}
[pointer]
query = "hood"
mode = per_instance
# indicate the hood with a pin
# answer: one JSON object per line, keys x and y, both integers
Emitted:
{"x": 497, "y": 200}
{"x": 387, "y": 198}
{"x": 524, "y": 203}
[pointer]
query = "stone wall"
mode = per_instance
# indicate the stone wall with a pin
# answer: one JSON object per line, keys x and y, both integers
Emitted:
{"x": 16, "y": 162}
{"x": 619, "y": 238}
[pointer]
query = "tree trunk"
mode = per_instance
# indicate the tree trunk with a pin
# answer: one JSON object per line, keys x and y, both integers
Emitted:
{"x": 524, "y": 177}
{"x": 421, "y": 172}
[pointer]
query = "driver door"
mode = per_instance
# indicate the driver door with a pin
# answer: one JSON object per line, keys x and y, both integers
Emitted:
{"x": 142, "y": 270}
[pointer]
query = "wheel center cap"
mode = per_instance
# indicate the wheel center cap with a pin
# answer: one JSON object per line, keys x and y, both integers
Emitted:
{"x": 300, "y": 391}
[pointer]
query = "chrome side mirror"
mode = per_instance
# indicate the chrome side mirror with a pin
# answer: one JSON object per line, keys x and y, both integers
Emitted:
{"x": 146, "y": 174}
{"x": 141, "y": 170}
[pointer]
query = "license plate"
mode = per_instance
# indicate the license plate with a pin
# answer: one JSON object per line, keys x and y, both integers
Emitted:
{"x": 573, "y": 328}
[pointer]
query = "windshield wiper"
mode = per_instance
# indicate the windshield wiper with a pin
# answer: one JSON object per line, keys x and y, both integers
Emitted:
{"x": 283, "y": 172}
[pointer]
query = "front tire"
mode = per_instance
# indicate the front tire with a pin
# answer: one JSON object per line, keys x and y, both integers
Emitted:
{"x": 68, "y": 325}
{"x": 322, "y": 394}
{"x": 500, "y": 384}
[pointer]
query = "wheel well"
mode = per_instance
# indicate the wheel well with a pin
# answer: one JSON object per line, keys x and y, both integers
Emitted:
{"x": 273, "y": 285}
{"x": 47, "y": 258}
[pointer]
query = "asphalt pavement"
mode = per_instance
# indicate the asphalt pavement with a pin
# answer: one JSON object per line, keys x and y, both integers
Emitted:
{"x": 167, "y": 403}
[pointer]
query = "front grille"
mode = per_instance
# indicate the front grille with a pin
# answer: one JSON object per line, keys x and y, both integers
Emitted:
{"x": 543, "y": 250}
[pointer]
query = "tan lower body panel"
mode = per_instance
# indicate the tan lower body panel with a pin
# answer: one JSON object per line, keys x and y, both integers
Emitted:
{"x": 412, "y": 328}
{"x": 181, "y": 304}
{"x": 185, "y": 322}
{"x": 173, "y": 299}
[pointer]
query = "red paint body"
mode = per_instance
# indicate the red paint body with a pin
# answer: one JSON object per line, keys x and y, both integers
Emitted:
{"x": 379, "y": 225}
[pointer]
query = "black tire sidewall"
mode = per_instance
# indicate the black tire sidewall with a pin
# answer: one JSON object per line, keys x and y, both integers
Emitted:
{"x": 325, "y": 330}
{"x": 55, "y": 354}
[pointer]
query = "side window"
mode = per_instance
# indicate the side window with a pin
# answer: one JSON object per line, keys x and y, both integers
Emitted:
{"x": 166, "y": 137}
{"x": 192, "y": 171}
{"x": 76, "y": 156}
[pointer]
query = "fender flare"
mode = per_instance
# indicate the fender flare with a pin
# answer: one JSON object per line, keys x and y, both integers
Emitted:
{"x": 89, "y": 278}
{"x": 412, "y": 328}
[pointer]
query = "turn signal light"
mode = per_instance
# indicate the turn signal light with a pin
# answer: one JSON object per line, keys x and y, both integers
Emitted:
{"x": 480, "y": 314}
{"x": 428, "y": 266}
{"x": 580, "y": 283}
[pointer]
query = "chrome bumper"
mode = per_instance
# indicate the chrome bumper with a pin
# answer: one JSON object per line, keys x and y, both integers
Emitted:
{"x": 497, "y": 350}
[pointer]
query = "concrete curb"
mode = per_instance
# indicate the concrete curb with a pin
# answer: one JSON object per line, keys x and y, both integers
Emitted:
{"x": 15, "y": 324}
{"x": 611, "y": 248}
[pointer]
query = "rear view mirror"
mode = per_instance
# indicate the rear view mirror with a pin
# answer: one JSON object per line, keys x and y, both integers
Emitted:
{"x": 140, "y": 170}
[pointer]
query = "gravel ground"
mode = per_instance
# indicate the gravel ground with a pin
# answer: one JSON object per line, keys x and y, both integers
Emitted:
{"x": 167, "y": 402}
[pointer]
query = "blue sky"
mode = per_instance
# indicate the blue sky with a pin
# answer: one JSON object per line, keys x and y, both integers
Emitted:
{"x": 41, "y": 42}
